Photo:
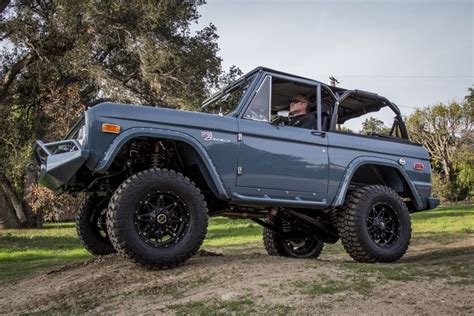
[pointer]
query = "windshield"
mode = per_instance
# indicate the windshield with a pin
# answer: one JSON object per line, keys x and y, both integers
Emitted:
{"x": 226, "y": 100}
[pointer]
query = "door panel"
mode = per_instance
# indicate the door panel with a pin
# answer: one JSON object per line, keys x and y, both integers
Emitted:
{"x": 282, "y": 157}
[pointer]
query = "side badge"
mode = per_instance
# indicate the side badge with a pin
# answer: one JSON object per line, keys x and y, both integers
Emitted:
{"x": 402, "y": 161}
{"x": 209, "y": 137}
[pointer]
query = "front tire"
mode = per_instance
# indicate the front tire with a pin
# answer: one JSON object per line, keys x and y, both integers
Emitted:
{"x": 374, "y": 225}
{"x": 277, "y": 245}
{"x": 158, "y": 218}
{"x": 91, "y": 227}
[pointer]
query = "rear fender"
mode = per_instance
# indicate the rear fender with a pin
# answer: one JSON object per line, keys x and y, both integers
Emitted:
{"x": 360, "y": 161}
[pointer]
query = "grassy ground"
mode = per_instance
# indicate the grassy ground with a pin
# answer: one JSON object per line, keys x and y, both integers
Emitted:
{"x": 23, "y": 252}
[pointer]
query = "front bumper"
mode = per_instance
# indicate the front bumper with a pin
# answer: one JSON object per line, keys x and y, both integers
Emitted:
{"x": 58, "y": 162}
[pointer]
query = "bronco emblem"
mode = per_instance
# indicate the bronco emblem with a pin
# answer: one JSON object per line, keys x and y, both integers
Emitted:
{"x": 207, "y": 136}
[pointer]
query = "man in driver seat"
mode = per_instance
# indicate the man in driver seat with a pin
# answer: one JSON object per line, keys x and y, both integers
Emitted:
{"x": 299, "y": 116}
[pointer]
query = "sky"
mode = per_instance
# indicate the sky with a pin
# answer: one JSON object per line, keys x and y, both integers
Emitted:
{"x": 415, "y": 53}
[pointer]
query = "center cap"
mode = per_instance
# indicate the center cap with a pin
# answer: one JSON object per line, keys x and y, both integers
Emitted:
{"x": 161, "y": 219}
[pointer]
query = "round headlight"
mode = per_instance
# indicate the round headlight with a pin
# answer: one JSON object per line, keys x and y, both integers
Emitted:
{"x": 81, "y": 135}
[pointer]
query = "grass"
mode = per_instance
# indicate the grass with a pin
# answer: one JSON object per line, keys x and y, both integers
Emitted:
{"x": 23, "y": 252}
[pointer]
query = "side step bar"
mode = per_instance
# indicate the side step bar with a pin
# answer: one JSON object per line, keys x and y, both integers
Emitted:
{"x": 268, "y": 200}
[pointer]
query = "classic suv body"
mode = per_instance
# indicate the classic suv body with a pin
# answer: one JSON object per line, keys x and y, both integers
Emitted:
{"x": 154, "y": 175}
{"x": 251, "y": 162}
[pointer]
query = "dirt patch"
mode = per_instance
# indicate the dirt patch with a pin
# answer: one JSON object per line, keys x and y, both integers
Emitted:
{"x": 432, "y": 278}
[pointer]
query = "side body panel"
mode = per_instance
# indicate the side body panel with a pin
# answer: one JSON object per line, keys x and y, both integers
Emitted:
{"x": 348, "y": 152}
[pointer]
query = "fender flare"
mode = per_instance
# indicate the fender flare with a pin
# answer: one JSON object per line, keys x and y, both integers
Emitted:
{"x": 366, "y": 160}
{"x": 114, "y": 147}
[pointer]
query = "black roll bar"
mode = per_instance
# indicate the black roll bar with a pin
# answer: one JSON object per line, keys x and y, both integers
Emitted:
{"x": 367, "y": 95}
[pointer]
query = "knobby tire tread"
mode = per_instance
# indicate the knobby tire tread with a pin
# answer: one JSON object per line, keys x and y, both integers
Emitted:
{"x": 349, "y": 231}
{"x": 94, "y": 245}
{"x": 113, "y": 218}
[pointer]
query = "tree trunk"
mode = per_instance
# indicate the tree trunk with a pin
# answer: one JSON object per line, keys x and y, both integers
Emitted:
{"x": 448, "y": 171}
{"x": 12, "y": 198}
{"x": 8, "y": 217}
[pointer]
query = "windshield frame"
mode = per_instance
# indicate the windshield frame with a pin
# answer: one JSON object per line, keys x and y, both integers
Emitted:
{"x": 250, "y": 78}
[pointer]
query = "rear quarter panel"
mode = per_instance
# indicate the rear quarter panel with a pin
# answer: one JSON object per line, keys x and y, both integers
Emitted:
{"x": 344, "y": 148}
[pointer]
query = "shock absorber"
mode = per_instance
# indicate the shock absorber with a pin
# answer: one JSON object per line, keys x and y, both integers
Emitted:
{"x": 155, "y": 156}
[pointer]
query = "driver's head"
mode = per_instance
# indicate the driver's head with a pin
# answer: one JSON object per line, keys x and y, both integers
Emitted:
{"x": 299, "y": 105}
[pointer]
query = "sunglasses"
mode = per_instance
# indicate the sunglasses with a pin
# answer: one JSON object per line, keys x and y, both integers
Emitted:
{"x": 296, "y": 101}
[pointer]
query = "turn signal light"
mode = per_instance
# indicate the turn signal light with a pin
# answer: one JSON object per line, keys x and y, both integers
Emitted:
{"x": 110, "y": 128}
{"x": 418, "y": 166}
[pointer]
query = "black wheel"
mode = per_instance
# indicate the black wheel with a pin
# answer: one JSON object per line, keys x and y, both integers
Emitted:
{"x": 304, "y": 247}
{"x": 91, "y": 226}
{"x": 158, "y": 218}
{"x": 374, "y": 225}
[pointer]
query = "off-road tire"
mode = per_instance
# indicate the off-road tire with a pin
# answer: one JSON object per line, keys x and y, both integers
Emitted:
{"x": 91, "y": 234}
{"x": 353, "y": 224}
{"x": 276, "y": 245}
{"x": 121, "y": 218}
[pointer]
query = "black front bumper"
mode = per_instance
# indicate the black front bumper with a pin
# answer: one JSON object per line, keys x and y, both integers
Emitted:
{"x": 58, "y": 162}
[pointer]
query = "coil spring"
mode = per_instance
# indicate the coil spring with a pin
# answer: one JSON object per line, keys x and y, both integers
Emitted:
{"x": 155, "y": 160}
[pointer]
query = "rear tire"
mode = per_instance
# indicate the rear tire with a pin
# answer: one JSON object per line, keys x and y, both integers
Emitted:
{"x": 157, "y": 218}
{"x": 374, "y": 225}
{"x": 91, "y": 227}
{"x": 276, "y": 245}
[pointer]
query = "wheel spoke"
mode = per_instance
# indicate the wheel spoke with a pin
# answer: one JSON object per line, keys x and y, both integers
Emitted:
{"x": 149, "y": 205}
{"x": 144, "y": 218}
{"x": 158, "y": 235}
{"x": 147, "y": 230}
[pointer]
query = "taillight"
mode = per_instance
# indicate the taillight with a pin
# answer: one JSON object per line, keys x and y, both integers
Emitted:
{"x": 418, "y": 166}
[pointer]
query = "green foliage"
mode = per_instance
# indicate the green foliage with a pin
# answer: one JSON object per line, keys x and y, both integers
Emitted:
{"x": 373, "y": 125}
{"x": 446, "y": 131}
{"x": 60, "y": 57}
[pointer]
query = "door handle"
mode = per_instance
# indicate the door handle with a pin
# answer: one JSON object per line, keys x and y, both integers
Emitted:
{"x": 318, "y": 133}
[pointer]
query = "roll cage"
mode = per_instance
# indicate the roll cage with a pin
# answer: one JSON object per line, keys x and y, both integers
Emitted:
{"x": 337, "y": 103}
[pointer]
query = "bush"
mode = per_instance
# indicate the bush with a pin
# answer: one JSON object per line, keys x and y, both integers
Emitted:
{"x": 449, "y": 191}
{"x": 53, "y": 207}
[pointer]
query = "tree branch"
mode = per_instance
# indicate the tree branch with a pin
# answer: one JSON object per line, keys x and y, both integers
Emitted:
{"x": 11, "y": 74}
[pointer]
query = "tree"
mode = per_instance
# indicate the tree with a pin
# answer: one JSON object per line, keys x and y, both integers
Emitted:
{"x": 60, "y": 57}
{"x": 446, "y": 132}
{"x": 373, "y": 125}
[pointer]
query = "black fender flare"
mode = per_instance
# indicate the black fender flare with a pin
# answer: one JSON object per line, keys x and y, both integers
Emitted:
{"x": 113, "y": 149}
{"x": 368, "y": 160}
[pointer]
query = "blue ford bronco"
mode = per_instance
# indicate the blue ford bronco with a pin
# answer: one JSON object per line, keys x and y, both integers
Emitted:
{"x": 153, "y": 175}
